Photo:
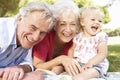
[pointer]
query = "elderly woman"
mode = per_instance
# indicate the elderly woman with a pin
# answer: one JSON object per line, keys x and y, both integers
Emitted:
{"x": 51, "y": 53}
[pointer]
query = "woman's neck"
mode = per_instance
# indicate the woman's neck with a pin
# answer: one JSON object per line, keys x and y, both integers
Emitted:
{"x": 58, "y": 47}
{"x": 58, "y": 42}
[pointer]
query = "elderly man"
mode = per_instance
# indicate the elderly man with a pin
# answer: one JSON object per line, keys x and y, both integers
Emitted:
{"x": 17, "y": 36}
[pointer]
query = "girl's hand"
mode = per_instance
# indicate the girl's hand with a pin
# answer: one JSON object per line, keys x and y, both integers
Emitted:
{"x": 87, "y": 66}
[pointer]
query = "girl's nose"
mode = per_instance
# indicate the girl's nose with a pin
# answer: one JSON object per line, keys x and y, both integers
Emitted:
{"x": 98, "y": 22}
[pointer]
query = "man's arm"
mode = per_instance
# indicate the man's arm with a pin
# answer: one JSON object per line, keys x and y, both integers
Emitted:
{"x": 25, "y": 67}
{"x": 26, "y": 64}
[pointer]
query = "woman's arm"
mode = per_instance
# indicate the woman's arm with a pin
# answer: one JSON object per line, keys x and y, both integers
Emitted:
{"x": 38, "y": 63}
{"x": 70, "y": 65}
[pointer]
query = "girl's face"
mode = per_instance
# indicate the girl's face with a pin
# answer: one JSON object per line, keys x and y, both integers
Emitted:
{"x": 66, "y": 27}
{"x": 91, "y": 22}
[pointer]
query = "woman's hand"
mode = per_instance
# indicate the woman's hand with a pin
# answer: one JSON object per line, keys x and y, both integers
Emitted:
{"x": 70, "y": 65}
{"x": 58, "y": 69}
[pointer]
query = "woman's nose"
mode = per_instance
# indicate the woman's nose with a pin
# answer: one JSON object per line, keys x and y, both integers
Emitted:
{"x": 68, "y": 28}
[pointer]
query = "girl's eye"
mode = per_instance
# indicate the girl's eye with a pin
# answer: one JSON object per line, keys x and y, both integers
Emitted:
{"x": 93, "y": 19}
{"x": 100, "y": 21}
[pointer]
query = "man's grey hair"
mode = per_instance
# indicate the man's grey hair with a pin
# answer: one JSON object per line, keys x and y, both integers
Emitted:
{"x": 65, "y": 5}
{"x": 38, "y": 6}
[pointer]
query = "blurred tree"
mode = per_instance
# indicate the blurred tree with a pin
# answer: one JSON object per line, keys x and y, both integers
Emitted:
{"x": 111, "y": 32}
{"x": 23, "y": 2}
{"x": 11, "y": 7}
{"x": 8, "y": 6}
{"x": 47, "y": 1}
{"x": 104, "y": 8}
{"x": 106, "y": 17}
{"x": 82, "y": 3}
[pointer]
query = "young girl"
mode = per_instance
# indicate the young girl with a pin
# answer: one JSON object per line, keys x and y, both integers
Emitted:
{"x": 90, "y": 46}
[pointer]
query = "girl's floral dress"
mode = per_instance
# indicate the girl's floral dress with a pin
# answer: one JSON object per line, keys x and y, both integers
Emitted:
{"x": 87, "y": 47}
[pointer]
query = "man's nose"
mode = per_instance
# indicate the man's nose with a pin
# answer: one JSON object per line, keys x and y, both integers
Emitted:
{"x": 36, "y": 36}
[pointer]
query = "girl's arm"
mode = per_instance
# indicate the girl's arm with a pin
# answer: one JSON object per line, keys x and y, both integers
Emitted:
{"x": 71, "y": 51}
{"x": 101, "y": 55}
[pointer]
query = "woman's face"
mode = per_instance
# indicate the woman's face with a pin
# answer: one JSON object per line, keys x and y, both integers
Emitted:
{"x": 66, "y": 27}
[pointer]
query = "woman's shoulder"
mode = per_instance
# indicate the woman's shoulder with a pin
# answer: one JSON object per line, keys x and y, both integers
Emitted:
{"x": 49, "y": 36}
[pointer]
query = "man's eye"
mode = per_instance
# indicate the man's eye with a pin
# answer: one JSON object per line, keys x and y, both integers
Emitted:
{"x": 33, "y": 28}
{"x": 43, "y": 33}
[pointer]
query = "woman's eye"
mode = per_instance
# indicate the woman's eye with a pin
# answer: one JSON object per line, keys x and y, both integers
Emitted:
{"x": 73, "y": 24}
{"x": 62, "y": 24}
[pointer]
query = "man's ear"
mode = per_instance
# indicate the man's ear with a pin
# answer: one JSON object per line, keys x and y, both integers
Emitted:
{"x": 19, "y": 18}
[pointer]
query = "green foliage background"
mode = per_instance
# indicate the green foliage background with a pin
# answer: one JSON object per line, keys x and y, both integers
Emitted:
{"x": 11, "y": 7}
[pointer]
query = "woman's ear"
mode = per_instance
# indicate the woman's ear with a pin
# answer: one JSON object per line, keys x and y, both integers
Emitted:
{"x": 55, "y": 28}
{"x": 81, "y": 22}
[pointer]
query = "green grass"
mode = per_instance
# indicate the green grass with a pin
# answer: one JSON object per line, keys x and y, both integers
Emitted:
{"x": 114, "y": 58}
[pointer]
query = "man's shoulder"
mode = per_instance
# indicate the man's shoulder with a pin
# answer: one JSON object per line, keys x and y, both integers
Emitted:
{"x": 5, "y": 19}
{"x": 7, "y": 31}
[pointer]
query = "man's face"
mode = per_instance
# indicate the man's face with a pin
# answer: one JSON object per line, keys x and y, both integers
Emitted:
{"x": 31, "y": 29}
